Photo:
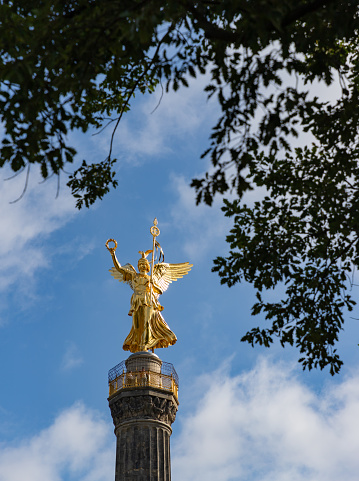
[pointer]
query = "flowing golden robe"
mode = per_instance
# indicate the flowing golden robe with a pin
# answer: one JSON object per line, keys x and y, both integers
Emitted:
{"x": 149, "y": 329}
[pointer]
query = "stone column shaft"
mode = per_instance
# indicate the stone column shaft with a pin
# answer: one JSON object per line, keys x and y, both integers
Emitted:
{"x": 142, "y": 416}
{"x": 143, "y": 453}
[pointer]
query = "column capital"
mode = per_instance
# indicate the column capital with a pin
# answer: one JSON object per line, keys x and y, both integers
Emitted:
{"x": 143, "y": 405}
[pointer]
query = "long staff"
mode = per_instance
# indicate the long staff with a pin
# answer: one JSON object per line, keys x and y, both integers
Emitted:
{"x": 155, "y": 232}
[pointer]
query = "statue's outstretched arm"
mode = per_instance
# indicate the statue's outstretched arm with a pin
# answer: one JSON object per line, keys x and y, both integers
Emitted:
{"x": 126, "y": 272}
{"x": 112, "y": 251}
{"x": 116, "y": 263}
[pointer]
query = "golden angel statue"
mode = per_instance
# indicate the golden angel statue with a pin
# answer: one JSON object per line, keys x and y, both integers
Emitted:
{"x": 149, "y": 329}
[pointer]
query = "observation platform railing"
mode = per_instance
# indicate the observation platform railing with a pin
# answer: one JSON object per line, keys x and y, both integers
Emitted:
{"x": 120, "y": 378}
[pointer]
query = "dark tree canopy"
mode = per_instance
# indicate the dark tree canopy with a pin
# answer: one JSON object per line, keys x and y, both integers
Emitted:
{"x": 77, "y": 64}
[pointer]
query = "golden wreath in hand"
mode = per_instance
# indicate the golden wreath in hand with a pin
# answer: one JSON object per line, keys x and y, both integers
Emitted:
{"x": 111, "y": 249}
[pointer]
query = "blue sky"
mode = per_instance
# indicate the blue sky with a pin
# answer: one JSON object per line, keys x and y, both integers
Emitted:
{"x": 244, "y": 413}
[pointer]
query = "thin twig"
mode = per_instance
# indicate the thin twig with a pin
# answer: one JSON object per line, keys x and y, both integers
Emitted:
{"x": 58, "y": 185}
{"x": 16, "y": 173}
{"x": 25, "y": 186}
{"x": 134, "y": 88}
{"x": 104, "y": 127}
{"x": 160, "y": 100}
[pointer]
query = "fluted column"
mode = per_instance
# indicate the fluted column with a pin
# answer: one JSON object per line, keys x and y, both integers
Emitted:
{"x": 143, "y": 416}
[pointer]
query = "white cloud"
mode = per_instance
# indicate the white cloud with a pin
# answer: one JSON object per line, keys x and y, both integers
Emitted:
{"x": 72, "y": 358}
{"x": 261, "y": 425}
{"x": 26, "y": 224}
{"x": 266, "y": 425}
{"x": 77, "y": 446}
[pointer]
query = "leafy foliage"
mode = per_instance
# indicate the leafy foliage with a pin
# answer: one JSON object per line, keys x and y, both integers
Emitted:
{"x": 67, "y": 66}
{"x": 303, "y": 238}
{"x": 78, "y": 63}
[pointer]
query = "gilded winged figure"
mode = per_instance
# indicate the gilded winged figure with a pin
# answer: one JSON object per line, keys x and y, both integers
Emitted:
{"x": 149, "y": 329}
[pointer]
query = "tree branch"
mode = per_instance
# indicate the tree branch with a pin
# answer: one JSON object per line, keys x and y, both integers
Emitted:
{"x": 304, "y": 10}
{"x": 135, "y": 86}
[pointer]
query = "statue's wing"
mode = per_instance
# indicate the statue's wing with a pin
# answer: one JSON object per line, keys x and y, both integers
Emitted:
{"x": 125, "y": 275}
{"x": 164, "y": 274}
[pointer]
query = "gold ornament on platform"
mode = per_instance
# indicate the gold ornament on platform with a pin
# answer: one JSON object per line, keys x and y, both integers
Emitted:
{"x": 149, "y": 329}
